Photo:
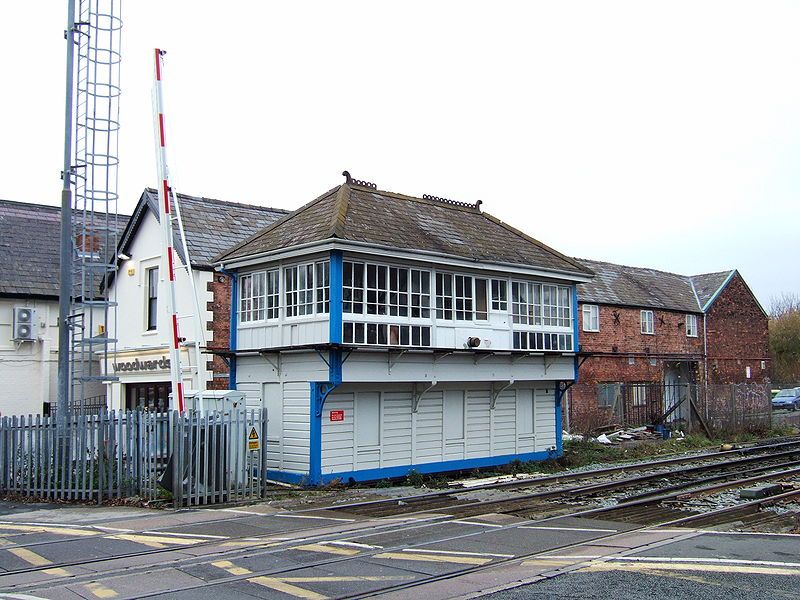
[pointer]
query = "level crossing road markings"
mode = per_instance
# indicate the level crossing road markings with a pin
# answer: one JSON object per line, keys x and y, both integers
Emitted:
{"x": 98, "y": 590}
{"x": 655, "y": 565}
{"x": 287, "y": 584}
{"x": 58, "y": 530}
{"x": 156, "y": 541}
{"x": 582, "y": 529}
{"x": 37, "y": 560}
{"x": 445, "y": 556}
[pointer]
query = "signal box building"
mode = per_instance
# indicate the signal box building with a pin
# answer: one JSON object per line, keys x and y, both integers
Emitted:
{"x": 385, "y": 333}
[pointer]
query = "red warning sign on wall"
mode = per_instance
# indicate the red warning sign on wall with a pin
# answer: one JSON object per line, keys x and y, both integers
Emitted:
{"x": 337, "y": 415}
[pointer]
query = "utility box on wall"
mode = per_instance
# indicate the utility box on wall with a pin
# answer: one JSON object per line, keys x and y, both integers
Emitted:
{"x": 23, "y": 324}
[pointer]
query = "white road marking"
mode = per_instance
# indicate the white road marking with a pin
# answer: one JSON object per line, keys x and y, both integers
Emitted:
{"x": 586, "y": 529}
{"x": 424, "y": 557}
{"x": 723, "y": 561}
{"x": 576, "y": 556}
{"x": 354, "y": 545}
{"x": 293, "y": 516}
{"x": 191, "y": 535}
{"x": 476, "y": 523}
{"x": 242, "y": 512}
{"x": 456, "y": 553}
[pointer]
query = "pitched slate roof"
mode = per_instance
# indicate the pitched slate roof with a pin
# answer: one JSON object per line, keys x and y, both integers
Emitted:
{"x": 649, "y": 288}
{"x": 708, "y": 284}
{"x": 30, "y": 241}
{"x": 211, "y": 225}
{"x": 358, "y": 212}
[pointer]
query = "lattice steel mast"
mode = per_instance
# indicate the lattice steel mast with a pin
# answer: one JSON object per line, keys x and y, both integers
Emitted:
{"x": 89, "y": 219}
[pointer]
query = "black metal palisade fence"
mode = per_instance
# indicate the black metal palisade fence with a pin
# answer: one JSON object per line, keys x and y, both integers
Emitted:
{"x": 191, "y": 458}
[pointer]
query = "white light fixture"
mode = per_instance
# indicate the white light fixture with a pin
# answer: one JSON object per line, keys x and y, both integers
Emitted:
{"x": 123, "y": 256}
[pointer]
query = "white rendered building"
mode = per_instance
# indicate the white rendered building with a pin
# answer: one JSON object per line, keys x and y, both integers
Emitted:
{"x": 141, "y": 364}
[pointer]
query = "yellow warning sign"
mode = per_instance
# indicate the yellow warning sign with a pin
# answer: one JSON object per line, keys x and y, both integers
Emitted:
{"x": 253, "y": 441}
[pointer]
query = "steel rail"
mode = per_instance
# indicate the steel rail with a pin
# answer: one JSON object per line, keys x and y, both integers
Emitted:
{"x": 582, "y": 490}
{"x": 565, "y": 476}
{"x": 572, "y": 492}
{"x": 592, "y": 512}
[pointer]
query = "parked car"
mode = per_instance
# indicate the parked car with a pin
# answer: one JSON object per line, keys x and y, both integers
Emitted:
{"x": 788, "y": 398}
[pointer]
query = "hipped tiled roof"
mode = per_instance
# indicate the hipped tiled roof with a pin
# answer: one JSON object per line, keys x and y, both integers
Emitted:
{"x": 358, "y": 213}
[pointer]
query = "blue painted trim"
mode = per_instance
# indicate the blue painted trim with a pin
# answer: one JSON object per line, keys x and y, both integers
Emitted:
{"x": 559, "y": 394}
{"x": 576, "y": 339}
{"x": 315, "y": 434}
{"x": 719, "y": 291}
{"x": 336, "y": 274}
{"x": 436, "y": 467}
{"x": 319, "y": 392}
{"x": 288, "y": 477}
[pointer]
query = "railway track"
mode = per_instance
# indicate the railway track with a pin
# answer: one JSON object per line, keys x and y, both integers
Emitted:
{"x": 453, "y": 500}
{"x": 643, "y": 514}
{"x": 654, "y": 507}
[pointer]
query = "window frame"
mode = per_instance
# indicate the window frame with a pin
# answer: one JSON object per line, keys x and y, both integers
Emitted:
{"x": 693, "y": 330}
{"x": 643, "y": 313}
{"x": 594, "y": 317}
{"x": 151, "y": 302}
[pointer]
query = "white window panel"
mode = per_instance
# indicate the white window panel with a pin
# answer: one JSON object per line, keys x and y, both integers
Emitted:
{"x": 591, "y": 317}
{"x": 499, "y": 295}
{"x": 252, "y": 297}
{"x": 691, "y": 325}
{"x": 648, "y": 322}
{"x": 463, "y": 298}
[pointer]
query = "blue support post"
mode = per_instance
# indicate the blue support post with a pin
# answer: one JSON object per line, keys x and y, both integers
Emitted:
{"x": 315, "y": 432}
{"x": 319, "y": 393}
{"x": 559, "y": 417}
{"x": 336, "y": 271}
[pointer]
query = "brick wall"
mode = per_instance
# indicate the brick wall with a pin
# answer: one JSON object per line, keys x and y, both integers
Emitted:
{"x": 738, "y": 336}
{"x": 621, "y": 336}
{"x": 220, "y": 326}
{"x": 629, "y": 356}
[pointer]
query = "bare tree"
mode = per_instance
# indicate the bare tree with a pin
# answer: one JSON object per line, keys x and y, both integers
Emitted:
{"x": 787, "y": 302}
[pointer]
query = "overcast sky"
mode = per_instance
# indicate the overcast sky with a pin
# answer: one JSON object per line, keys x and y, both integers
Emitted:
{"x": 651, "y": 134}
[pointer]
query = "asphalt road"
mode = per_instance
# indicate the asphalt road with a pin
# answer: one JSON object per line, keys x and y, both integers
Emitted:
{"x": 118, "y": 553}
{"x": 688, "y": 585}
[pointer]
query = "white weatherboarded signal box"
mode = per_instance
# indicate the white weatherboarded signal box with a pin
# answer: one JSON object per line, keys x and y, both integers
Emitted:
{"x": 253, "y": 440}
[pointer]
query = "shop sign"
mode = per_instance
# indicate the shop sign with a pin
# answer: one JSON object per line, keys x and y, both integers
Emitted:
{"x": 337, "y": 415}
{"x": 142, "y": 365}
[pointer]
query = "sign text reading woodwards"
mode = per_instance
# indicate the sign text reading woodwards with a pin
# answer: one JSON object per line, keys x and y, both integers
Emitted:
{"x": 142, "y": 365}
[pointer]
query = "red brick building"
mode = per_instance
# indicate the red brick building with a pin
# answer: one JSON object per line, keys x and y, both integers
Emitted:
{"x": 648, "y": 338}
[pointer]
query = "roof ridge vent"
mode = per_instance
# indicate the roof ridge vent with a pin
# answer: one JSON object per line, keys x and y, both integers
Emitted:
{"x": 477, "y": 204}
{"x": 367, "y": 184}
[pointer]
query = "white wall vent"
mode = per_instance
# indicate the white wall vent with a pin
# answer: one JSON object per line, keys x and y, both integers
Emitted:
{"x": 23, "y": 324}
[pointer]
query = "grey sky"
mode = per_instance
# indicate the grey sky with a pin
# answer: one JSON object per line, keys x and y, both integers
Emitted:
{"x": 650, "y": 134}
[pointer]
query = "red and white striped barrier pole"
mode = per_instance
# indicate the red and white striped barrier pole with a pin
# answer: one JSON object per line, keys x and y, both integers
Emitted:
{"x": 166, "y": 216}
